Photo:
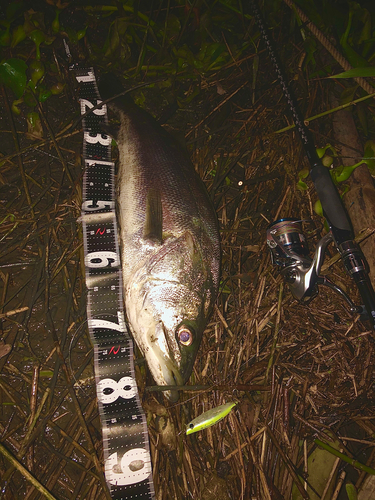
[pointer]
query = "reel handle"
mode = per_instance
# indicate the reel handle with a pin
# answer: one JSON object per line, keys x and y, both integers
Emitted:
{"x": 289, "y": 250}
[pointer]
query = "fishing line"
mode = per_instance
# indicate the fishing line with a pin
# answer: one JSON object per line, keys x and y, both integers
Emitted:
{"x": 211, "y": 387}
{"x": 110, "y": 99}
{"x": 70, "y": 349}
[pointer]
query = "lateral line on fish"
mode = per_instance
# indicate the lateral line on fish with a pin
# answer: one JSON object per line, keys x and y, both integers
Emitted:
{"x": 153, "y": 229}
{"x": 102, "y": 103}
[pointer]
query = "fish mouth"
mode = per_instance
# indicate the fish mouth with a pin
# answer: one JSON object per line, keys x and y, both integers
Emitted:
{"x": 158, "y": 344}
{"x": 171, "y": 376}
{"x": 164, "y": 359}
{"x": 165, "y": 372}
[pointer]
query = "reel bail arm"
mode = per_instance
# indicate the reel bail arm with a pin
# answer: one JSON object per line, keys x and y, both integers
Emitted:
{"x": 289, "y": 250}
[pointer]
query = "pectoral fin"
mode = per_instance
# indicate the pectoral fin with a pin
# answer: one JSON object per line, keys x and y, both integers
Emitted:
{"x": 153, "y": 229}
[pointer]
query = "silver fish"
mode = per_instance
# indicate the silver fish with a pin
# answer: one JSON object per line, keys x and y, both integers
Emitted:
{"x": 169, "y": 238}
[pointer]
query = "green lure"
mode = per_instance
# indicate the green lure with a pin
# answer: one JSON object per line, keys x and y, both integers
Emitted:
{"x": 209, "y": 418}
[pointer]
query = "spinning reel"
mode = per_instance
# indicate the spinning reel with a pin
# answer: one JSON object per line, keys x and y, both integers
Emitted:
{"x": 290, "y": 251}
{"x": 284, "y": 236}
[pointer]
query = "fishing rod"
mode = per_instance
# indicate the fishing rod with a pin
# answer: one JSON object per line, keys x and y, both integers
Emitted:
{"x": 285, "y": 238}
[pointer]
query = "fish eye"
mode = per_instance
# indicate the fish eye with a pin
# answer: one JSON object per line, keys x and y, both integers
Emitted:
{"x": 185, "y": 336}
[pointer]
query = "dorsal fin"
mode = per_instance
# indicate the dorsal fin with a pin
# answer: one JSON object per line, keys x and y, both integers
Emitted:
{"x": 153, "y": 229}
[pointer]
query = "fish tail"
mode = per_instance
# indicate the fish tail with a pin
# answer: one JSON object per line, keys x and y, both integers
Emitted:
{"x": 109, "y": 86}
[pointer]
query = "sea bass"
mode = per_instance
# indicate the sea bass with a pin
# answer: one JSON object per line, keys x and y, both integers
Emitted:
{"x": 169, "y": 238}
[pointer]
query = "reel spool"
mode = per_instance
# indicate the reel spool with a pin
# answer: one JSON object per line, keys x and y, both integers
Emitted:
{"x": 287, "y": 242}
{"x": 289, "y": 251}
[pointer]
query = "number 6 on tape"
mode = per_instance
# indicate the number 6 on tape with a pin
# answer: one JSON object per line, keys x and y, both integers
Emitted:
{"x": 135, "y": 467}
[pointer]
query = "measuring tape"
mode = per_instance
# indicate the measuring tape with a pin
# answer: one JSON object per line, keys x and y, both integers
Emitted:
{"x": 125, "y": 437}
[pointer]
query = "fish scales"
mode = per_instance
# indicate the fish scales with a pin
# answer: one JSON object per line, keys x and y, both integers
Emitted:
{"x": 169, "y": 239}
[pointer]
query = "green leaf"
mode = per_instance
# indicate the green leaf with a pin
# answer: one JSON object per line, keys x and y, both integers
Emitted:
{"x": 14, "y": 9}
{"x": 18, "y": 35}
{"x": 4, "y": 38}
{"x": 347, "y": 95}
{"x": 320, "y": 463}
{"x": 29, "y": 98}
{"x": 72, "y": 35}
{"x": 210, "y": 417}
{"x": 341, "y": 174}
{"x": 37, "y": 36}
{"x": 44, "y": 94}
{"x": 318, "y": 209}
{"x": 352, "y": 55}
{"x": 13, "y": 75}
{"x": 351, "y": 491}
{"x": 34, "y": 125}
{"x": 56, "y": 22}
{"x": 327, "y": 160}
{"x": 36, "y": 71}
{"x": 303, "y": 174}
{"x": 322, "y": 151}
{"x": 15, "y": 105}
{"x": 81, "y": 33}
{"x": 302, "y": 186}
{"x": 57, "y": 88}
{"x": 356, "y": 73}
{"x": 344, "y": 189}
{"x": 172, "y": 26}
{"x": 369, "y": 156}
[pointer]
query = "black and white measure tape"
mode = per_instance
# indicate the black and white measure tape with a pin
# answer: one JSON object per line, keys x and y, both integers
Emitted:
{"x": 125, "y": 438}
